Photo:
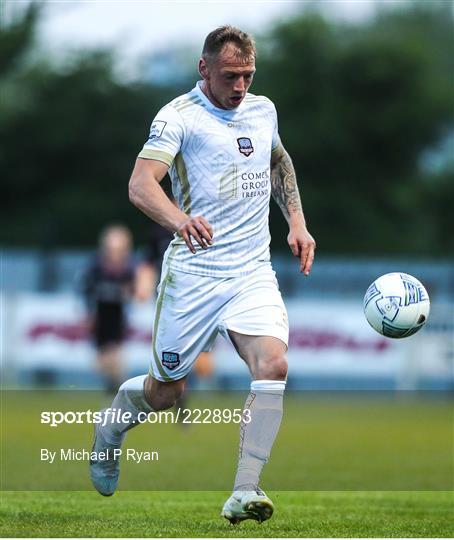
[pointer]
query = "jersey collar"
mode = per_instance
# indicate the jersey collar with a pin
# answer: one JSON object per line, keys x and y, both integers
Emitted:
{"x": 225, "y": 113}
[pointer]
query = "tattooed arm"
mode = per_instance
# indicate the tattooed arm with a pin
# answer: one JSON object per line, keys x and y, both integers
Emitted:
{"x": 284, "y": 189}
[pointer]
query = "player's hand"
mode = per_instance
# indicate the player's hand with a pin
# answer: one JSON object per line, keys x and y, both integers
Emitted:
{"x": 303, "y": 246}
{"x": 198, "y": 228}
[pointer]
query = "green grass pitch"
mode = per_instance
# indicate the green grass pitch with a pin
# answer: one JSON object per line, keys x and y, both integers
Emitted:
{"x": 196, "y": 514}
{"x": 343, "y": 466}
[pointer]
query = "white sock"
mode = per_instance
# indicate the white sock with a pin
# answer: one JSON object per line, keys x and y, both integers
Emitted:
{"x": 130, "y": 398}
{"x": 265, "y": 403}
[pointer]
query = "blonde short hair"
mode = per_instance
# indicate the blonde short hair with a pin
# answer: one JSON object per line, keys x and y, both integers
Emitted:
{"x": 219, "y": 37}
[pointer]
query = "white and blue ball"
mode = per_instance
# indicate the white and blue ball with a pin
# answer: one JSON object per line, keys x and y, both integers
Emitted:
{"x": 396, "y": 305}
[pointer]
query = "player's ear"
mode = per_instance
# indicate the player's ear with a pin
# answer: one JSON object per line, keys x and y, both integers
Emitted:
{"x": 203, "y": 69}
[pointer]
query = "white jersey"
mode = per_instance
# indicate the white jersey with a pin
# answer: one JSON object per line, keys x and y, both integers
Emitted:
{"x": 220, "y": 169}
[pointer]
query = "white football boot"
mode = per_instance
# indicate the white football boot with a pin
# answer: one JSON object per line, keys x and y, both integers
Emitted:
{"x": 243, "y": 505}
{"x": 104, "y": 472}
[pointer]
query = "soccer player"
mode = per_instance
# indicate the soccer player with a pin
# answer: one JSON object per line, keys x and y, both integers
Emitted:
{"x": 221, "y": 147}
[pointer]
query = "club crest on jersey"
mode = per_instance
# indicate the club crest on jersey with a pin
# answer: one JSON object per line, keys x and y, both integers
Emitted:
{"x": 157, "y": 127}
{"x": 245, "y": 146}
{"x": 170, "y": 360}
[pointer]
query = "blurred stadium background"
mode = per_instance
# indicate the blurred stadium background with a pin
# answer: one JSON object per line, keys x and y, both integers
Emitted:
{"x": 364, "y": 92}
{"x": 366, "y": 112}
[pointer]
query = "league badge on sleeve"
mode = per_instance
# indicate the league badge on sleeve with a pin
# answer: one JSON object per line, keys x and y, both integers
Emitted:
{"x": 245, "y": 146}
{"x": 157, "y": 127}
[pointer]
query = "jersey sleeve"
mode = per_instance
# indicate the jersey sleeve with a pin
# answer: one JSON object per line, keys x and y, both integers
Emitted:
{"x": 275, "y": 141}
{"x": 166, "y": 137}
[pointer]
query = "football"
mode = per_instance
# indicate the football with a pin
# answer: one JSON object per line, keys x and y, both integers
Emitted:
{"x": 396, "y": 305}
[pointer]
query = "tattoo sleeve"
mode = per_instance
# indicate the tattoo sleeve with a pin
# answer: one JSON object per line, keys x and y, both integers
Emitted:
{"x": 284, "y": 187}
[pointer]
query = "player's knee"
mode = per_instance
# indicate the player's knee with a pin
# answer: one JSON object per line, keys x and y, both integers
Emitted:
{"x": 275, "y": 368}
{"x": 160, "y": 395}
{"x": 163, "y": 400}
{"x": 161, "y": 403}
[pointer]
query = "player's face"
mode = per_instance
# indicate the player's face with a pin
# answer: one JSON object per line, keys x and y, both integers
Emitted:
{"x": 227, "y": 78}
{"x": 116, "y": 247}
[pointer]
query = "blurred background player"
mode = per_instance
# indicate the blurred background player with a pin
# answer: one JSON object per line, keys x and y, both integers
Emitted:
{"x": 108, "y": 285}
{"x": 149, "y": 270}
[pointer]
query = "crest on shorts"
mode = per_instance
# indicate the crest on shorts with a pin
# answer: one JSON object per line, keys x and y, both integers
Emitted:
{"x": 170, "y": 360}
{"x": 245, "y": 146}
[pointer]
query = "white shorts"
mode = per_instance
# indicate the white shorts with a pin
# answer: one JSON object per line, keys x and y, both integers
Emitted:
{"x": 191, "y": 310}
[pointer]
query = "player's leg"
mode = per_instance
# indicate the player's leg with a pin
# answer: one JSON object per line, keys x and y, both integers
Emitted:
{"x": 255, "y": 321}
{"x": 182, "y": 329}
{"x": 162, "y": 395}
{"x": 199, "y": 378}
{"x": 109, "y": 363}
{"x": 266, "y": 359}
{"x": 137, "y": 397}
{"x": 108, "y": 328}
